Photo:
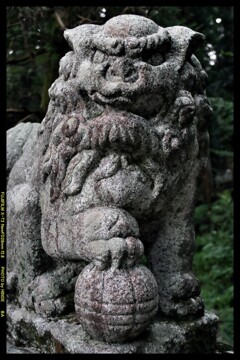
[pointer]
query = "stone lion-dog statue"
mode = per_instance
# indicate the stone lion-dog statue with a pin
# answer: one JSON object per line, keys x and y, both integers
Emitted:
{"x": 109, "y": 175}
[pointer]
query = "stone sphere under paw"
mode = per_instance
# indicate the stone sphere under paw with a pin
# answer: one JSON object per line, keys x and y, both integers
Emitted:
{"x": 116, "y": 305}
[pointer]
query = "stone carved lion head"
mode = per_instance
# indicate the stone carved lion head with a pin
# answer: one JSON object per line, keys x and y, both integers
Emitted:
{"x": 131, "y": 62}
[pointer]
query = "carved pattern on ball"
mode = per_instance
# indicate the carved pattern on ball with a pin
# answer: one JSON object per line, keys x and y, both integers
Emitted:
{"x": 116, "y": 305}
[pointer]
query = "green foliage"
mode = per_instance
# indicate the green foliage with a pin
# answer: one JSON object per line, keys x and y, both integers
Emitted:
{"x": 213, "y": 261}
{"x": 221, "y": 126}
{"x": 221, "y": 132}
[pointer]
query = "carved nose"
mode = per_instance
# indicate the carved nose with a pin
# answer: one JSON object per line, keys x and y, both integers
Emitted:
{"x": 122, "y": 71}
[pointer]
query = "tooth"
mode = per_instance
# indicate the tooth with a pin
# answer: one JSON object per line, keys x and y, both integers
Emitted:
{"x": 129, "y": 137}
{"x": 113, "y": 134}
{"x": 142, "y": 42}
{"x": 95, "y": 135}
{"x": 104, "y": 134}
{"x": 150, "y": 42}
{"x": 154, "y": 142}
{"x": 123, "y": 133}
{"x": 85, "y": 142}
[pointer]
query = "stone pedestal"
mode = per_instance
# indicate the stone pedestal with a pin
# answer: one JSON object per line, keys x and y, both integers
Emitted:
{"x": 65, "y": 335}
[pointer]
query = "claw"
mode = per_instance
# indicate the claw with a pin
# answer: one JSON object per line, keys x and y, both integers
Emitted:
{"x": 99, "y": 253}
{"x": 116, "y": 252}
{"x": 135, "y": 251}
{"x": 118, "y": 249}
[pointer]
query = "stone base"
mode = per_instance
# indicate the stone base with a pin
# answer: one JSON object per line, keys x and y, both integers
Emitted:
{"x": 65, "y": 335}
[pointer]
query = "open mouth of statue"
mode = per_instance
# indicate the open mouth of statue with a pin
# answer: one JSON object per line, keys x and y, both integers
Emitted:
{"x": 110, "y": 99}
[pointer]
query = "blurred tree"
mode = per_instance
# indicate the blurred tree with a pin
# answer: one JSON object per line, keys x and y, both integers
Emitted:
{"x": 35, "y": 45}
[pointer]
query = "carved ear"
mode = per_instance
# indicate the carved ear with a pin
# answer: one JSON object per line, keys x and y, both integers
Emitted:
{"x": 70, "y": 36}
{"x": 80, "y": 36}
{"x": 184, "y": 42}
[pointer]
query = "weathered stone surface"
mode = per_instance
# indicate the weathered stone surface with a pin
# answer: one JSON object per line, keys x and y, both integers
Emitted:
{"x": 11, "y": 348}
{"x": 116, "y": 304}
{"x": 67, "y": 336}
{"x": 111, "y": 172}
{"x": 34, "y": 280}
{"x": 19, "y": 140}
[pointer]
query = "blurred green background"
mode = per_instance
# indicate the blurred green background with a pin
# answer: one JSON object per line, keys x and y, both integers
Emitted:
{"x": 35, "y": 45}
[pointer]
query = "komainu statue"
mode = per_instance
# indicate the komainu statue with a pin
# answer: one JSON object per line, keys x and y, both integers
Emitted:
{"x": 107, "y": 182}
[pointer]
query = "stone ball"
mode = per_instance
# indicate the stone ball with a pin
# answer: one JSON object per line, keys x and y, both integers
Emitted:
{"x": 115, "y": 305}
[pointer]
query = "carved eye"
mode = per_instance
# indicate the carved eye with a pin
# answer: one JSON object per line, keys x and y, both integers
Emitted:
{"x": 154, "y": 59}
{"x": 99, "y": 57}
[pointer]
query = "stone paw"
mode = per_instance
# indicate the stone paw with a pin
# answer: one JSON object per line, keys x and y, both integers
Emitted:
{"x": 52, "y": 293}
{"x": 55, "y": 307}
{"x": 181, "y": 309}
{"x": 179, "y": 296}
{"x": 115, "y": 252}
{"x": 182, "y": 286}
